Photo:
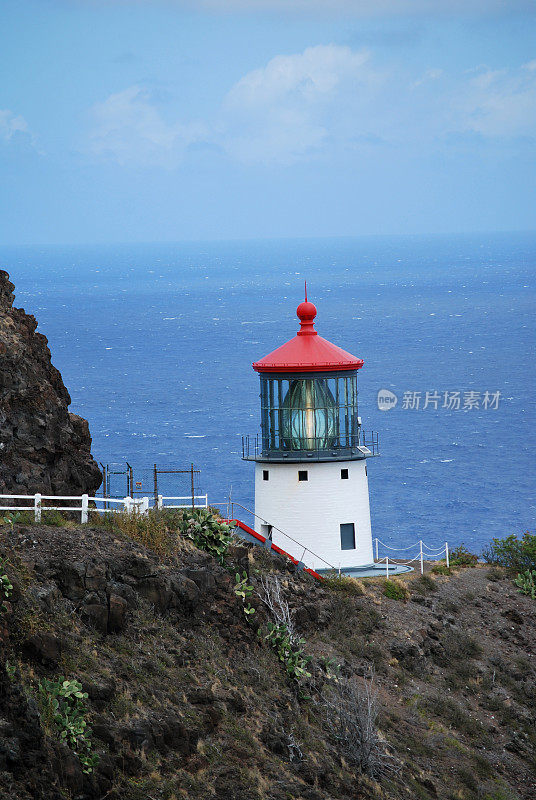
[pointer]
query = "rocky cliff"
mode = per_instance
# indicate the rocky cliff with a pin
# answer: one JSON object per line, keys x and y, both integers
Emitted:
{"x": 187, "y": 699}
{"x": 43, "y": 447}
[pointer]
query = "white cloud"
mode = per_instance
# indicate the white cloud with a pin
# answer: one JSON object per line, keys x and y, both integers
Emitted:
{"x": 328, "y": 100}
{"x": 499, "y": 103}
{"x": 430, "y": 75}
{"x": 129, "y": 129}
{"x": 309, "y": 75}
{"x": 290, "y": 107}
{"x": 276, "y": 114}
{"x": 11, "y": 124}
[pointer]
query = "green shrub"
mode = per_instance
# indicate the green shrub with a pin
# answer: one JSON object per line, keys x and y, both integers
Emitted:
{"x": 216, "y": 512}
{"x": 458, "y": 646}
{"x": 501, "y": 794}
{"x": 441, "y": 569}
{"x": 453, "y": 714}
{"x": 11, "y": 518}
{"x": 11, "y": 670}
{"x": 423, "y": 585}
{"x": 63, "y": 708}
{"x": 482, "y": 765}
{"x": 19, "y": 518}
{"x": 54, "y": 518}
{"x": 467, "y": 777}
{"x": 244, "y": 590}
{"x": 343, "y": 584}
{"x": 331, "y": 667}
{"x": 162, "y": 530}
{"x": 6, "y": 587}
{"x": 515, "y": 555}
{"x": 461, "y": 557}
{"x": 526, "y": 582}
{"x": 289, "y": 652}
{"x": 207, "y": 532}
{"x": 395, "y": 589}
{"x": 495, "y": 574}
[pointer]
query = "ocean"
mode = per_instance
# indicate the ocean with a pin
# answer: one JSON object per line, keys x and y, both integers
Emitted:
{"x": 155, "y": 344}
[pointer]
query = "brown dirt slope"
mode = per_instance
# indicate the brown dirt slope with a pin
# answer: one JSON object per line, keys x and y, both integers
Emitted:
{"x": 186, "y": 699}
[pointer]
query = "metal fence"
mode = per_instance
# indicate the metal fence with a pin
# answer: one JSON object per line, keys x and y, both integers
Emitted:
{"x": 122, "y": 479}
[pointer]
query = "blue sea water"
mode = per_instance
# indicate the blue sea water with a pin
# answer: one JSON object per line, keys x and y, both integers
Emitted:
{"x": 155, "y": 344}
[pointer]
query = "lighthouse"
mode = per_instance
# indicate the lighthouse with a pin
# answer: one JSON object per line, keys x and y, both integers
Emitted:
{"x": 311, "y": 481}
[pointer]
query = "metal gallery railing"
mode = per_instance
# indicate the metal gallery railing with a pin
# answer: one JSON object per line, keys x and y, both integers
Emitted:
{"x": 362, "y": 445}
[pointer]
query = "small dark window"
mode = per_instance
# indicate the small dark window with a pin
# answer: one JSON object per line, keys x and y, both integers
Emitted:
{"x": 303, "y": 475}
{"x": 366, "y": 473}
{"x": 347, "y": 536}
{"x": 344, "y": 474}
{"x": 265, "y": 474}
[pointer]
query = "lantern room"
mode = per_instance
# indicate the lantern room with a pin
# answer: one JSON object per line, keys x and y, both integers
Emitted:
{"x": 309, "y": 413}
{"x": 309, "y": 408}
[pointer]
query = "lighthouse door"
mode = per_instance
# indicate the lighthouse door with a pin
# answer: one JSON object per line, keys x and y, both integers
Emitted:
{"x": 266, "y": 531}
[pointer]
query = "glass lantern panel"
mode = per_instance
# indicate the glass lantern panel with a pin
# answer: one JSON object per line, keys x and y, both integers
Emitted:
{"x": 309, "y": 415}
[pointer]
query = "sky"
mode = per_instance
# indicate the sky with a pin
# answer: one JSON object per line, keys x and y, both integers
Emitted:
{"x": 168, "y": 120}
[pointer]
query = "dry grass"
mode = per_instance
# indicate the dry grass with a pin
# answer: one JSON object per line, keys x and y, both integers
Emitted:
{"x": 344, "y": 584}
{"x": 158, "y": 530}
{"x": 352, "y": 709}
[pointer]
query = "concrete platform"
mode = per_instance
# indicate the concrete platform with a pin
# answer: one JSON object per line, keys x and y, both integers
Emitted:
{"x": 372, "y": 570}
{"x": 364, "y": 571}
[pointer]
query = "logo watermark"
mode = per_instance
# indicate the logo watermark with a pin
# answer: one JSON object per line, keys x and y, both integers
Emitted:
{"x": 386, "y": 399}
{"x": 449, "y": 400}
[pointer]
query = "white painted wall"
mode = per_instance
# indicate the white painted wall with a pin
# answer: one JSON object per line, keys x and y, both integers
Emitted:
{"x": 311, "y": 511}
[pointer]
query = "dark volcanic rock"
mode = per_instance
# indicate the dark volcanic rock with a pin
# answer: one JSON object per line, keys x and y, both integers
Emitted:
{"x": 100, "y": 692}
{"x": 513, "y": 615}
{"x": 43, "y": 447}
{"x": 43, "y": 647}
{"x": 23, "y": 753}
{"x": 117, "y": 611}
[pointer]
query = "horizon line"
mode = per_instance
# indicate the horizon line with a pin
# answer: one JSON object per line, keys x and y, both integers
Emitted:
{"x": 237, "y": 239}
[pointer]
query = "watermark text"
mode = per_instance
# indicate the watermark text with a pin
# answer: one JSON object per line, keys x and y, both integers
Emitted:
{"x": 449, "y": 400}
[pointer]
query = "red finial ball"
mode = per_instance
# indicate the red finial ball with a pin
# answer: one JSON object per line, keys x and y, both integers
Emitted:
{"x": 306, "y": 311}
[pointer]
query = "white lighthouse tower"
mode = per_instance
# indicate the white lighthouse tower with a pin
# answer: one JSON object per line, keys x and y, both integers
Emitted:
{"x": 311, "y": 483}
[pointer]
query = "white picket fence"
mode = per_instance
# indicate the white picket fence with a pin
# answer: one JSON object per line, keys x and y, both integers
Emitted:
{"x": 425, "y": 551}
{"x": 103, "y": 505}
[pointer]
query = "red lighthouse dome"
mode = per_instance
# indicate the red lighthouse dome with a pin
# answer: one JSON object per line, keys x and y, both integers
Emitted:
{"x": 307, "y": 351}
